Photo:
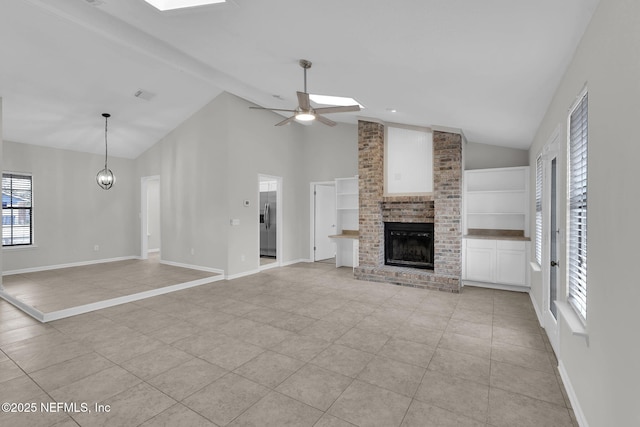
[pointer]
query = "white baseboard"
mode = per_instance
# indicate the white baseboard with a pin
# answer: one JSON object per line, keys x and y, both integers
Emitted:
{"x": 81, "y": 309}
{"x": 193, "y": 267}
{"x": 243, "y": 274}
{"x": 269, "y": 266}
{"x": 71, "y": 264}
{"x": 573, "y": 398}
{"x": 514, "y": 288}
{"x": 295, "y": 261}
{"x": 153, "y": 250}
{"x": 537, "y": 309}
{"x": 31, "y": 311}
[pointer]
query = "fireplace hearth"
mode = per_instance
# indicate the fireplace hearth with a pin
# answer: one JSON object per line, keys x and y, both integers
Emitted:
{"x": 408, "y": 244}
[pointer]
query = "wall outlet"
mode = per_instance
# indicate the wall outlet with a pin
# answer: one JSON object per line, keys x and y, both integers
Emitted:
{"x": 235, "y": 221}
{"x": 96, "y": 248}
{"x": 243, "y": 258}
{"x": 193, "y": 251}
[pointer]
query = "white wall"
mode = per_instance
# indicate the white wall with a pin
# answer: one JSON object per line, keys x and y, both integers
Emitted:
{"x": 603, "y": 371}
{"x": 256, "y": 147}
{"x": 210, "y": 164}
{"x": 329, "y": 153}
{"x": 71, "y": 214}
{"x": 207, "y": 166}
{"x": 192, "y": 164}
{"x": 485, "y": 156}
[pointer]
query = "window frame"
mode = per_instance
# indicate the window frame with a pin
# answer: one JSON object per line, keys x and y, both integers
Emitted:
{"x": 22, "y": 175}
{"x": 577, "y": 207}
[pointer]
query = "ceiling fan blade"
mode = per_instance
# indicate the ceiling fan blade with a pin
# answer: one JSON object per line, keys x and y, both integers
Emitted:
{"x": 343, "y": 109}
{"x": 325, "y": 120}
{"x": 271, "y": 109}
{"x": 286, "y": 121}
{"x": 303, "y": 101}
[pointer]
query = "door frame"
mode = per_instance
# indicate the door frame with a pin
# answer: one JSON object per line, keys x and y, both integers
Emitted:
{"x": 279, "y": 209}
{"x": 144, "y": 212}
{"x": 550, "y": 152}
{"x": 312, "y": 216}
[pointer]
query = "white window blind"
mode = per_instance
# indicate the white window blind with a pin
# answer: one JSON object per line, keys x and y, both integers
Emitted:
{"x": 578, "y": 141}
{"x": 539, "y": 210}
{"x": 16, "y": 210}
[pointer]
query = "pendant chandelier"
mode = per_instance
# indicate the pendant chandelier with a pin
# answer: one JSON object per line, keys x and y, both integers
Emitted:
{"x": 105, "y": 177}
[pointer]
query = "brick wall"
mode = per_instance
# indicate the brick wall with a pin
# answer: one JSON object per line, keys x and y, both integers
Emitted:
{"x": 370, "y": 189}
{"x": 408, "y": 209}
{"x": 447, "y": 186}
{"x": 443, "y": 208}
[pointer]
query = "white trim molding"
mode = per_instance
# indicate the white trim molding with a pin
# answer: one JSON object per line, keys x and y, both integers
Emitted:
{"x": 537, "y": 309}
{"x": 573, "y": 321}
{"x": 243, "y": 274}
{"x": 573, "y": 398}
{"x": 192, "y": 267}
{"x": 71, "y": 264}
{"x": 85, "y": 308}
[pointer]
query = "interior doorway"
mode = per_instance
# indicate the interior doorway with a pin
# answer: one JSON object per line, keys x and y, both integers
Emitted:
{"x": 269, "y": 220}
{"x": 150, "y": 237}
{"x": 552, "y": 234}
{"x": 323, "y": 221}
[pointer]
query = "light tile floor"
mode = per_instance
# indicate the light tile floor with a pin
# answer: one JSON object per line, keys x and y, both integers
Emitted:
{"x": 64, "y": 288}
{"x": 305, "y": 345}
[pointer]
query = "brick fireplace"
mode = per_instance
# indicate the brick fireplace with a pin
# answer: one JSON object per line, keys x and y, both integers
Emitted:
{"x": 442, "y": 208}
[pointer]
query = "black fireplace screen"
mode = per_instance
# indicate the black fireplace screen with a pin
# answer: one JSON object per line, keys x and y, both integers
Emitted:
{"x": 408, "y": 244}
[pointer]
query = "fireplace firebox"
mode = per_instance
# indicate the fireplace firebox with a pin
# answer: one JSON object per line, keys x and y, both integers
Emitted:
{"x": 408, "y": 244}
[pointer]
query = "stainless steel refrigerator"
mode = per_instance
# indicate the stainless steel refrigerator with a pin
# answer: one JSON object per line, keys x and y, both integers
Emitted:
{"x": 268, "y": 223}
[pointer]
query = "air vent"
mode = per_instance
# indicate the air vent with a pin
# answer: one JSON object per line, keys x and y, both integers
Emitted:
{"x": 143, "y": 94}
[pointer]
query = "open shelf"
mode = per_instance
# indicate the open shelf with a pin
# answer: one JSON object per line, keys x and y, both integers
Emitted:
{"x": 497, "y": 199}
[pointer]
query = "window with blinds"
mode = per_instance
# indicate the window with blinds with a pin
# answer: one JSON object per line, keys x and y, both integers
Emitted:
{"x": 578, "y": 142}
{"x": 539, "y": 210}
{"x": 17, "y": 211}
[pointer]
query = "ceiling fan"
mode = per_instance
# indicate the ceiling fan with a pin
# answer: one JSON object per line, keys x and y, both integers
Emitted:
{"x": 304, "y": 112}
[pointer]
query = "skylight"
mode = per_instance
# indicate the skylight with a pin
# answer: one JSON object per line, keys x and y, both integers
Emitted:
{"x": 334, "y": 100}
{"x": 179, "y": 4}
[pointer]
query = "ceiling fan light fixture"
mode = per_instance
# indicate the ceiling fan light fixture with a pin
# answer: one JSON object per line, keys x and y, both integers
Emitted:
{"x": 164, "y": 5}
{"x": 305, "y": 116}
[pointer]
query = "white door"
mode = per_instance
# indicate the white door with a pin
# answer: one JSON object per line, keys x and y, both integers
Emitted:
{"x": 149, "y": 215}
{"x": 324, "y": 222}
{"x": 550, "y": 260}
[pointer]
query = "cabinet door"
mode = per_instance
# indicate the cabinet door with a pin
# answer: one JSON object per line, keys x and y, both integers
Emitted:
{"x": 511, "y": 267}
{"x": 480, "y": 261}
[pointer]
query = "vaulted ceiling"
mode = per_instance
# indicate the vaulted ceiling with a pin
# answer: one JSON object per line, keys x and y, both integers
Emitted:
{"x": 487, "y": 67}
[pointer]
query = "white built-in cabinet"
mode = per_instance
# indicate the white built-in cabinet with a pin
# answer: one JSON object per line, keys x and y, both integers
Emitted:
{"x": 347, "y": 208}
{"x": 480, "y": 260}
{"x": 502, "y": 262}
{"x": 496, "y": 210}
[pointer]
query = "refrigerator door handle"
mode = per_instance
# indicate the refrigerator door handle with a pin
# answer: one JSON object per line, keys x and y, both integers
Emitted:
{"x": 267, "y": 224}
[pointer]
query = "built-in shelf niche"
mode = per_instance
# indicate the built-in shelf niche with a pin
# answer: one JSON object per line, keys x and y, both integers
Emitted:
{"x": 408, "y": 161}
{"x": 497, "y": 199}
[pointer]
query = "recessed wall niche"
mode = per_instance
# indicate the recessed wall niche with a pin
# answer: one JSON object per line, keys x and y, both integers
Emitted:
{"x": 408, "y": 161}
